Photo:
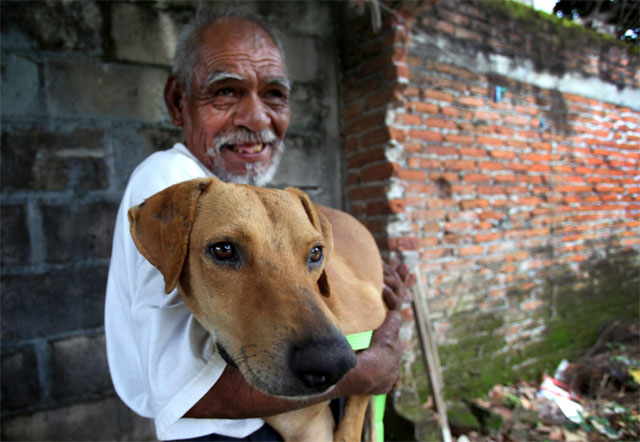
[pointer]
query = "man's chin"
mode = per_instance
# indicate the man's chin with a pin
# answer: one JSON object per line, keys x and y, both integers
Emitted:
{"x": 255, "y": 174}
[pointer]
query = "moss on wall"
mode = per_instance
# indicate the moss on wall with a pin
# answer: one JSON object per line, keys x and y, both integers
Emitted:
{"x": 570, "y": 35}
{"x": 575, "y": 310}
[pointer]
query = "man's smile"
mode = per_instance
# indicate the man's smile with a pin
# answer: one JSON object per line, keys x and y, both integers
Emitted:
{"x": 249, "y": 153}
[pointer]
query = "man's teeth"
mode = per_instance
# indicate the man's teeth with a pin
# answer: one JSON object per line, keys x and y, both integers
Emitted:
{"x": 256, "y": 149}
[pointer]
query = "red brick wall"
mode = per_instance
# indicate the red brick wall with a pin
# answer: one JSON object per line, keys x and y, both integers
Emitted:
{"x": 508, "y": 207}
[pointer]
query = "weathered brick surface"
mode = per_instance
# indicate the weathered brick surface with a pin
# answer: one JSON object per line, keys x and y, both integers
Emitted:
{"x": 78, "y": 233}
{"x": 20, "y": 381}
{"x": 82, "y": 105}
{"x": 14, "y": 234}
{"x": 56, "y": 302}
{"x": 79, "y": 368}
{"x": 53, "y": 159}
{"x": 504, "y": 200}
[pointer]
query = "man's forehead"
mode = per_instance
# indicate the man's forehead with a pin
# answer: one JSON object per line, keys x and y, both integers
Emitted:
{"x": 227, "y": 46}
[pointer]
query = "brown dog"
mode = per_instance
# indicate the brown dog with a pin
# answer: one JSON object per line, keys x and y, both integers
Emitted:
{"x": 277, "y": 281}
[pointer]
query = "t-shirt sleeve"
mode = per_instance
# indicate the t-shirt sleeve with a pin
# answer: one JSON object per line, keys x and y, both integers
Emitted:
{"x": 161, "y": 360}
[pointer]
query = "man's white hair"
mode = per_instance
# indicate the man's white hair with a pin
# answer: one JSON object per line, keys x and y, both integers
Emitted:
{"x": 187, "y": 53}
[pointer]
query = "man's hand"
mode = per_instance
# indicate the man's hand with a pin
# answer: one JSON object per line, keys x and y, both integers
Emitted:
{"x": 378, "y": 365}
{"x": 396, "y": 281}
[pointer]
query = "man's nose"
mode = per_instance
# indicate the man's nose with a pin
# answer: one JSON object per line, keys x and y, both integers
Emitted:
{"x": 251, "y": 114}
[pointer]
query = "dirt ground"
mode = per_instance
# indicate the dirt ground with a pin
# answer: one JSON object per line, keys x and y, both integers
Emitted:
{"x": 600, "y": 392}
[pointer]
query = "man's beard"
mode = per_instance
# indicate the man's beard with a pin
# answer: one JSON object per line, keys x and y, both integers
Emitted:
{"x": 256, "y": 174}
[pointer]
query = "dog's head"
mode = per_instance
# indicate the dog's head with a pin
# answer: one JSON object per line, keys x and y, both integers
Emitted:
{"x": 249, "y": 263}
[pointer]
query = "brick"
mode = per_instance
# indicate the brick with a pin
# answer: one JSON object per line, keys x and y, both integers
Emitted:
{"x": 358, "y": 125}
{"x": 440, "y": 123}
{"x": 16, "y": 247}
{"x": 71, "y": 359}
{"x": 366, "y": 192}
{"x": 477, "y": 178}
{"x": 82, "y": 23}
{"x": 134, "y": 91}
{"x": 425, "y": 135}
{"x": 459, "y": 164}
{"x": 66, "y": 236}
{"x": 404, "y": 243}
{"x": 148, "y": 28}
{"x": 490, "y": 141}
{"x": 363, "y": 88}
{"x": 516, "y": 120}
{"x": 470, "y": 250}
{"x": 473, "y": 152}
{"x": 379, "y": 98}
{"x": 411, "y": 175}
{"x": 431, "y": 94}
{"x": 474, "y": 204}
{"x": 32, "y": 307}
{"x": 471, "y": 101}
{"x": 364, "y": 158}
{"x": 486, "y": 115}
{"x": 108, "y": 417}
{"x": 379, "y": 172}
{"x": 502, "y": 154}
{"x": 489, "y": 165}
{"x": 375, "y": 137}
{"x": 425, "y": 108}
{"x": 459, "y": 139}
{"x": 487, "y": 237}
{"x": 409, "y": 119}
{"x": 20, "y": 86}
{"x": 35, "y": 158}
{"x": 20, "y": 385}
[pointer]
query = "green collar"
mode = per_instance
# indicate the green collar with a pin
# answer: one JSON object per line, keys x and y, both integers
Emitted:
{"x": 360, "y": 341}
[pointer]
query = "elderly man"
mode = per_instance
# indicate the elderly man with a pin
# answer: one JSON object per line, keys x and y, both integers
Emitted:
{"x": 229, "y": 92}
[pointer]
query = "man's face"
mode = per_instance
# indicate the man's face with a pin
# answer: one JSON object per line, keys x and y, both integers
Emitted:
{"x": 238, "y": 113}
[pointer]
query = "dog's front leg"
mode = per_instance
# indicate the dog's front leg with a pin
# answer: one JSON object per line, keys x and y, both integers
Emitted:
{"x": 310, "y": 424}
{"x": 350, "y": 427}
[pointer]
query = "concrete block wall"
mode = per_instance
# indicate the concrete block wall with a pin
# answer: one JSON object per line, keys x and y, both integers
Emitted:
{"x": 82, "y": 105}
{"x": 505, "y": 172}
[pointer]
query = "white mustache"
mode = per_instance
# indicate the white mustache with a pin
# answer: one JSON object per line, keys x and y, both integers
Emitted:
{"x": 265, "y": 136}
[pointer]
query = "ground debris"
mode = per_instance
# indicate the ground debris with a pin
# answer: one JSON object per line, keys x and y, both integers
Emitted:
{"x": 596, "y": 398}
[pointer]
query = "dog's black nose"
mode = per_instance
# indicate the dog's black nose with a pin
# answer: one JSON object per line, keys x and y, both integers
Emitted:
{"x": 319, "y": 364}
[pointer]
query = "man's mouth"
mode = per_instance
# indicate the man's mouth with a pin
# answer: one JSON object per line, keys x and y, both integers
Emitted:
{"x": 246, "y": 149}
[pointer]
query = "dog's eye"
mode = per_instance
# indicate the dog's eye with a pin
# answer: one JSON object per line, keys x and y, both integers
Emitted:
{"x": 224, "y": 251}
{"x": 316, "y": 254}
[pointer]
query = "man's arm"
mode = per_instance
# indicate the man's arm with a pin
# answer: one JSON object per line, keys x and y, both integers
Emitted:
{"x": 231, "y": 397}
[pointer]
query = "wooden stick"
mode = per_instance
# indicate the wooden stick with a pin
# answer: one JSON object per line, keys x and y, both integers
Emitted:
{"x": 430, "y": 354}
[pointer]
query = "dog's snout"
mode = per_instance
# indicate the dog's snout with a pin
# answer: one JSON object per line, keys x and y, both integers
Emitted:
{"x": 319, "y": 364}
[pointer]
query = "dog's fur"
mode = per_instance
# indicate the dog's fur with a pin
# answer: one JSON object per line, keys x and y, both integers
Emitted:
{"x": 274, "y": 311}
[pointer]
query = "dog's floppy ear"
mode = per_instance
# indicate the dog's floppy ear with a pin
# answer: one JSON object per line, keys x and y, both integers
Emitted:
{"x": 161, "y": 225}
{"x": 322, "y": 224}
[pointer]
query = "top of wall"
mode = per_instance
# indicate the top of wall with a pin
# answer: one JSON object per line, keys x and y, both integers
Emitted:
{"x": 510, "y": 39}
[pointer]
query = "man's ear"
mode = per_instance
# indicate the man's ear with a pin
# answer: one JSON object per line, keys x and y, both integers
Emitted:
{"x": 322, "y": 224}
{"x": 173, "y": 93}
{"x": 161, "y": 225}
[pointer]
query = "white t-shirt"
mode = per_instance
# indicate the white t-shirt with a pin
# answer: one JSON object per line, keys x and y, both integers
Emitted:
{"x": 161, "y": 360}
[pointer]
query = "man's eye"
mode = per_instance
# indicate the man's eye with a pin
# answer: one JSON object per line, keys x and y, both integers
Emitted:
{"x": 277, "y": 94}
{"x": 225, "y": 92}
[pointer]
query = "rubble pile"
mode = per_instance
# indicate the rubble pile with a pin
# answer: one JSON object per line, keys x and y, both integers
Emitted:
{"x": 595, "y": 398}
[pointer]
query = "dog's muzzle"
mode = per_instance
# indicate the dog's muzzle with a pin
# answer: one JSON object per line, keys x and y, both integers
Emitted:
{"x": 320, "y": 363}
